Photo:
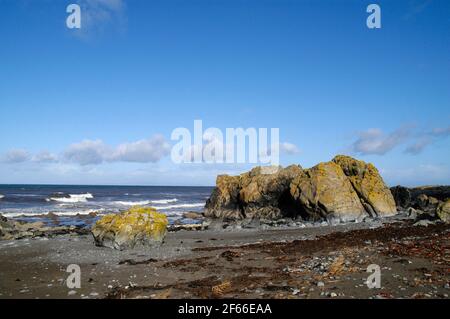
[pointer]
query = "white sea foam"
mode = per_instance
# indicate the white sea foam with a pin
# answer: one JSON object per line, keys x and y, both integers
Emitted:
{"x": 146, "y": 202}
{"x": 58, "y": 213}
{"x": 193, "y": 205}
{"x": 138, "y": 203}
{"x": 164, "y": 201}
{"x": 87, "y": 196}
{"x": 73, "y": 198}
{"x": 2, "y": 196}
{"x": 157, "y": 204}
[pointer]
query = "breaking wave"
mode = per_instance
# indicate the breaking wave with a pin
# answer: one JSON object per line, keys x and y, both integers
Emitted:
{"x": 13, "y": 214}
{"x": 164, "y": 201}
{"x": 157, "y": 204}
{"x": 146, "y": 202}
{"x": 138, "y": 203}
{"x": 73, "y": 198}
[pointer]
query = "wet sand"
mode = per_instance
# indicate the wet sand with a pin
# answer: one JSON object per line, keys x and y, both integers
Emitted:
{"x": 316, "y": 262}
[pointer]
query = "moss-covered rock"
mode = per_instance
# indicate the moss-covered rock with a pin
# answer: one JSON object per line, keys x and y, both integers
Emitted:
{"x": 136, "y": 227}
{"x": 443, "y": 211}
{"x": 344, "y": 188}
{"x": 366, "y": 180}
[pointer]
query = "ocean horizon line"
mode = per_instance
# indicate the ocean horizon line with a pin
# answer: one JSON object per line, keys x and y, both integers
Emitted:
{"x": 101, "y": 185}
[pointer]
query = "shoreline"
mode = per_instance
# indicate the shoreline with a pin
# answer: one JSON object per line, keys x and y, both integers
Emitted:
{"x": 243, "y": 263}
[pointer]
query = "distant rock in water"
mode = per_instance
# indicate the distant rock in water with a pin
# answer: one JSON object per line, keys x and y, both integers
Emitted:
{"x": 136, "y": 227}
{"x": 344, "y": 189}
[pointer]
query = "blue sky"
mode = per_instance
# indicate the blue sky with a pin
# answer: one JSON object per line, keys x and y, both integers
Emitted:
{"x": 139, "y": 69}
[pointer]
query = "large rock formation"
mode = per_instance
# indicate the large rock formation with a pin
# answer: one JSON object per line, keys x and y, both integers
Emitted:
{"x": 373, "y": 192}
{"x": 135, "y": 227}
{"x": 343, "y": 189}
{"x": 266, "y": 195}
{"x": 257, "y": 194}
{"x": 324, "y": 191}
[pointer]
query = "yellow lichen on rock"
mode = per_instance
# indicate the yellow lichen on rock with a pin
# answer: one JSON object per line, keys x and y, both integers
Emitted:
{"x": 137, "y": 226}
{"x": 325, "y": 192}
{"x": 368, "y": 183}
{"x": 443, "y": 211}
{"x": 345, "y": 188}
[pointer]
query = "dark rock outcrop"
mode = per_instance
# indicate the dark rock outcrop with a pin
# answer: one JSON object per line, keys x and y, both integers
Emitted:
{"x": 441, "y": 193}
{"x": 343, "y": 189}
{"x": 256, "y": 194}
{"x": 402, "y": 196}
{"x": 415, "y": 197}
{"x": 264, "y": 195}
{"x": 426, "y": 202}
{"x": 11, "y": 229}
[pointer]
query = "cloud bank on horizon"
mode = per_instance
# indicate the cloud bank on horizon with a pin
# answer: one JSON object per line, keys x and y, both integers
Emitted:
{"x": 372, "y": 141}
{"x": 96, "y": 152}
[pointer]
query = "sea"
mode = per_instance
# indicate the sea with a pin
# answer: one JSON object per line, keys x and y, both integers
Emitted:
{"x": 82, "y": 205}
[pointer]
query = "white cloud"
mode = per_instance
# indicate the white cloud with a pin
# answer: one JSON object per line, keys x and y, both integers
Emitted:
{"x": 439, "y": 131}
{"x": 15, "y": 156}
{"x": 89, "y": 152}
{"x": 45, "y": 157}
{"x": 418, "y": 146}
{"x": 289, "y": 148}
{"x": 375, "y": 141}
{"x": 214, "y": 144}
{"x": 143, "y": 151}
{"x": 426, "y": 139}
